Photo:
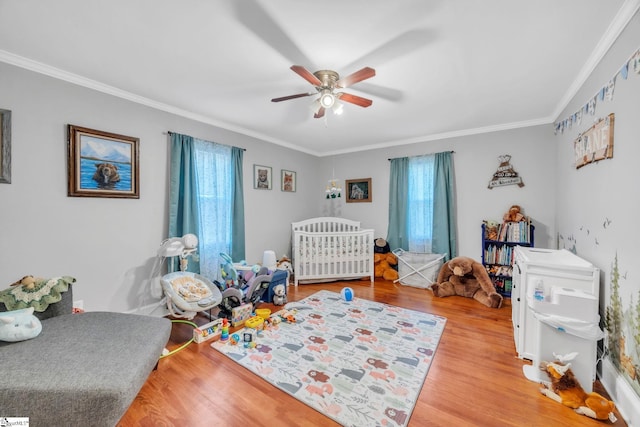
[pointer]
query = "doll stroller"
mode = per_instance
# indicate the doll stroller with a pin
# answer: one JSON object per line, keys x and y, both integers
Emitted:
{"x": 245, "y": 288}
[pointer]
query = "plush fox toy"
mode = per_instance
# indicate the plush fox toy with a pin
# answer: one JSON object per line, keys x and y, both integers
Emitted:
{"x": 566, "y": 389}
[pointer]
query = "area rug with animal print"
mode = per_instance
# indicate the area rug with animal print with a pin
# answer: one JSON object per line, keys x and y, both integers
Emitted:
{"x": 359, "y": 362}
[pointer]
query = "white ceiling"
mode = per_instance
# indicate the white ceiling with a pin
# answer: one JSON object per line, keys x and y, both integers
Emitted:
{"x": 443, "y": 67}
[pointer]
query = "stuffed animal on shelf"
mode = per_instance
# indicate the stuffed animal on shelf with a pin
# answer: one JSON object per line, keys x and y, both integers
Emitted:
{"x": 514, "y": 214}
{"x": 383, "y": 266}
{"x": 468, "y": 278}
{"x": 279, "y": 295}
{"x": 491, "y": 230}
{"x": 566, "y": 389}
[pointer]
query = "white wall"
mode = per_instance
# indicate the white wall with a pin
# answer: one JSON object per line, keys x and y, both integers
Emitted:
{"x": 589, "y": 197}
{"x": 108, "y": 245}
{"x": 475, "y": 161}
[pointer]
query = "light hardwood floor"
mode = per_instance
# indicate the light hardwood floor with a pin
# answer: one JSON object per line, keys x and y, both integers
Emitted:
{"x": 475, "y": 378}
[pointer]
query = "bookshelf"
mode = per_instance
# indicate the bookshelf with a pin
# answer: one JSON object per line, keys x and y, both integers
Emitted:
{"x": 498, "y": 252}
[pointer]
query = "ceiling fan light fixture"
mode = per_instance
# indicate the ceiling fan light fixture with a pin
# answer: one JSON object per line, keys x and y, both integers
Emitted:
{"x": 327, "y": 99}
{"x": 338, "y": 108}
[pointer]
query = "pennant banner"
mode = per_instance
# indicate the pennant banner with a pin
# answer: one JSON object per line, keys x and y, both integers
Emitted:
{"x": 605, "y": 93}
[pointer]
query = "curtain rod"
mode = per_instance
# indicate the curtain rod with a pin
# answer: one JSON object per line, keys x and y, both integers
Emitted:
{"x": 243, "y": 149}
{"x": 452, "y": 152}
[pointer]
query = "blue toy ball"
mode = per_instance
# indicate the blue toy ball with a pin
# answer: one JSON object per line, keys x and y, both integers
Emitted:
{"x": 347, "y": 294}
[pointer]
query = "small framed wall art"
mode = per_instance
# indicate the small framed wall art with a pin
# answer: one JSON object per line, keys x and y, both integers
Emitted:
{"x": 262, "y": 177}
{"x": 358, "y": 190}
{"x": 288, "y": 179}
{"x": 5, "y": 146}
{"x": 102, "y": 164}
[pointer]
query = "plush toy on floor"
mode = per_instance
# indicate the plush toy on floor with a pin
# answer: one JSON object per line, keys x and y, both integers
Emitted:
{"x": 384, "y": 261}
{"x": 566, "y": 389}
{"x": 279, "y": 295}
{"x": 383, "y": 266}
{"x": 468, "y": 278}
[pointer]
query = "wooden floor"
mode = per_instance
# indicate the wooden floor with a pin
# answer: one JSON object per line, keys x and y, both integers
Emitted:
{"x": 475, "y": 378}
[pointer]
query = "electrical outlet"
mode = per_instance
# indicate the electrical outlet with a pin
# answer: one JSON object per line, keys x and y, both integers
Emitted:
{"x": 79, "y": 304}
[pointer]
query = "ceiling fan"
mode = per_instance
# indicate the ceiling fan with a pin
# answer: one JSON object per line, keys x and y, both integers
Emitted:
{"x": 326, "y": 82}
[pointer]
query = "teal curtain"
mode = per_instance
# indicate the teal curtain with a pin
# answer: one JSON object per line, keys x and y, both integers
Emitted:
{"x": 207, "y": 199}
{"x": 184, "y": 215}
{"x": 422, "y": 214}
{"x": 398, "y": 204}
{"x": 444, "y": 211}
{"x": 237, "y": 220}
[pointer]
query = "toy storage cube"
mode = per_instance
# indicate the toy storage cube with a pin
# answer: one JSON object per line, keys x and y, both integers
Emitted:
{"x": 280, "y": 277}
{"x": 240, "y": 313}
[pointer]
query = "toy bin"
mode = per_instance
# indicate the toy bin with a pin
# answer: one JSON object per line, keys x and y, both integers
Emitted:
{"x": 280, "y": 277}
{"x": 418, "y": 269}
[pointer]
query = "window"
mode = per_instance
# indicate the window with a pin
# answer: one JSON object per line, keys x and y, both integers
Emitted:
{"x": 214, "y": 172}
{"x": 420, "y": 203}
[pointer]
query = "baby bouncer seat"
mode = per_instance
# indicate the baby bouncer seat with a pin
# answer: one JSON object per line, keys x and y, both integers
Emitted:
{"x": 188, "y": 293}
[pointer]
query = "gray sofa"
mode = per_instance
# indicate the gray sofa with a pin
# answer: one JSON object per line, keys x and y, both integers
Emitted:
{"x": 83, "y": 369}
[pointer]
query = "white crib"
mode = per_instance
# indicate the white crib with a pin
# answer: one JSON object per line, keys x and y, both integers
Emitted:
{"x": 328, "y": 248}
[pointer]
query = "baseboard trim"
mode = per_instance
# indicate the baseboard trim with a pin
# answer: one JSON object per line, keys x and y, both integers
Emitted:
{"x": 625, "y": 398}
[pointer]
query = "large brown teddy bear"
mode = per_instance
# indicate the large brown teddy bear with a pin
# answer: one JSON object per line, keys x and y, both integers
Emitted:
{"x": 468, "y": 278}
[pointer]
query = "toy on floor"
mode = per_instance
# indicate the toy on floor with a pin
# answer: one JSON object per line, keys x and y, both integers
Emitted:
{"x": 468, "y": 278}
{"x": 279, "y": 295}
{"x": 347, "y": 294}
{"x": 288, "y": 316}
{"x": 385, "y": 266}
{"x": 566, "y": 389}
{"x": 224, "y": 335}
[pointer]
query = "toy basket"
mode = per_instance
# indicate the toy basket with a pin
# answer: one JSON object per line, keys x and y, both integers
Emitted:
{"x": 418, "y": 269}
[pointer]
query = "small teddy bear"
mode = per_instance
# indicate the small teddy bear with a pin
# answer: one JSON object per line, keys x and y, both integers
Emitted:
{"x": 513, "y": 214}
{"x": 27, "y": 282}
{"x": 279, "y": 295}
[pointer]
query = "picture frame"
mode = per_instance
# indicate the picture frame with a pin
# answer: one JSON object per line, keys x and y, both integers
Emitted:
{"x": 262, "y": 177}
{"x": 102, "y": 164}
{"x": 358, "y": 190}
{"x": 288, "y": 181}
{"x": 5, "y": 146}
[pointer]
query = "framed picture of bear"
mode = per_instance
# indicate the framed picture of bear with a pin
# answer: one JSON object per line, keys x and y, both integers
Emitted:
{"x": 262, "y": 178}
{"x": 102, "y": 164}
{"x": 288, "y": 181}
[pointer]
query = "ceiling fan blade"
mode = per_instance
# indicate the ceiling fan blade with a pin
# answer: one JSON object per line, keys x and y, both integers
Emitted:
{"x": 383, "y": 92}
{"x": 403, "y": 44}
{"x": 306, "y": 74}
{"x": 319, "y": 114}
{"x": 256, "y": 19}
{"x": 354, "y": 99}
{"x": 358, "y": 76}
{"x": 286, "y": 98}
